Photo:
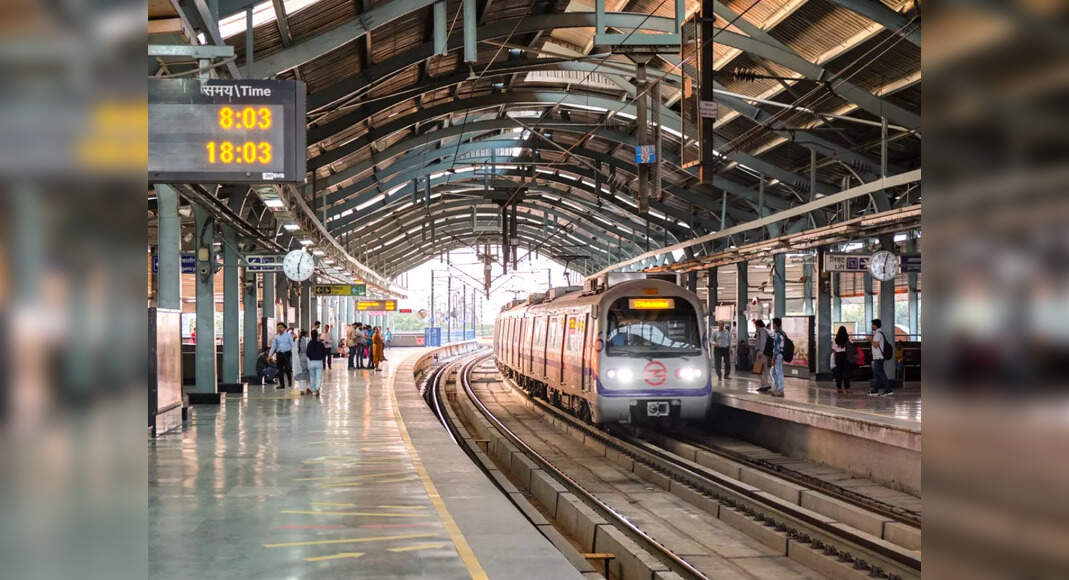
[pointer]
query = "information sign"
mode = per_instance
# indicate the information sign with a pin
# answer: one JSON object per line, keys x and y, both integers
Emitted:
{"x": 645, "y": 154}
{"x": 376, "y": 305}
{"x": 189, "y": 264}
{"x": 910, "y": 263}
{"x": 226, "y": 131}
{"x": 846, "y": 262}
{"x": 339, "y": 290}
{"x": 708, "y": 109}
{"x": 263, "y": 263}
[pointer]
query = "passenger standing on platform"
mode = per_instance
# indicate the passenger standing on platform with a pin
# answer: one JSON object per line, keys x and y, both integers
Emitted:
{"x": 722, "y": 351}
{"x": 778, "y": 339}
{"x": 328, "y": 342}
{"x": 843, "y": 359}
{"x": 282, "y": 351}
{"x": 389, "y": 338}
{"x": 300, "y": 363}
{"x": 764, "y": 356}
{"x": 377, "y": 345}
{"x": 317, "y": 353}
{"x": 881, "y": 387}
{"x": 360, "y": 341}
{"x": 350, "y": 342}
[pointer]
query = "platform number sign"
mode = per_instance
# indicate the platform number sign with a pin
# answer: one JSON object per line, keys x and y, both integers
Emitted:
{"x": 645, "y": 154}
{"x": 226, "y": 131}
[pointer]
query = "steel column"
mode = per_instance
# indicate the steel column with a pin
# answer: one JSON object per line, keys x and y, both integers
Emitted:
{"x": 248, "y": 368}
{"x": 231, "y": 304}
{"x": 914, "y": 297}
{"x": 824, "y": 315}
{"x": 887, "y": 307}
{"x": 470, "y": 17}
{"x": 168, "y": 249}
{"x": 867, "y": 323}
{"x": 692, "y": 281}
{"x": 779, "y": 285}
{"x": 807, "y": 270}
{"x": 711, "y": 299}
{"x": 836, "y": 300}
{"x": 205, "y": 328}
{"x": 449, "y": 307}
{"x": 742, "y": 297}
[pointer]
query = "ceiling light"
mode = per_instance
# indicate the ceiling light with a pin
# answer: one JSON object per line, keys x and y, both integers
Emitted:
{"x": 306, "y": 242}
{"x": 274, "y": 203}
{"x": 319, "y": 252}
{"x": 291, "y": 227}
{"x": 328, "y": 261}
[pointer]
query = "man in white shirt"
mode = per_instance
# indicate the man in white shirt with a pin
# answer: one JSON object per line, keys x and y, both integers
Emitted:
{"x": 722, "y": 351}
{"x": 881, "y": 387}
{"x": 328, "y": 341}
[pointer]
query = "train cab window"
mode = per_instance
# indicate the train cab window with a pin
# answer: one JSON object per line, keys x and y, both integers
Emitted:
{"x": 665, "y": 331}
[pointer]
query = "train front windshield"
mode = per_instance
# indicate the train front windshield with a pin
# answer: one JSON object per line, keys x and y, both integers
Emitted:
{"x": 663, "y": 327}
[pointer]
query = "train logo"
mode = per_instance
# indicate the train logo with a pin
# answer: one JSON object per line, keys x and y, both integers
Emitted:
{"x": 655, "y": 373}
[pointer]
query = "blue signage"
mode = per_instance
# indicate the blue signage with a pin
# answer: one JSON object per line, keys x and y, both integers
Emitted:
{"x": 263, "y": 263}
{"x": 189, "y": 264}
{"x": 645, "y": 154}
{"x": 910, "y": 263}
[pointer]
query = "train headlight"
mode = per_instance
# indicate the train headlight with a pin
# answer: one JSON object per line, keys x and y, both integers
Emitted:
{"x": 623, "y": 375}
{"x": 689, "y": 374}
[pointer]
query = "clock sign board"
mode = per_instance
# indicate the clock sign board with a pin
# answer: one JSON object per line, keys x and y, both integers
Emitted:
{"x": 226, "y": 131}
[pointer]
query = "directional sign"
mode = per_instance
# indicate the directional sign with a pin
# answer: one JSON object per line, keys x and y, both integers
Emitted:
{"x": 376, "y": 305}
{"x": 707, "y": 109}
{"x": 269, "y": 263}
{"x": 339, "y": 290}
{"x": 910, "y": 263}
{"x": 189, "y": 264}
{"x": 645, "y": 154}
{"x": 846, "y": 262}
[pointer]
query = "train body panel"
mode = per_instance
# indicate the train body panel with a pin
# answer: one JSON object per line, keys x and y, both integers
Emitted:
{"x": 637, "y": 350}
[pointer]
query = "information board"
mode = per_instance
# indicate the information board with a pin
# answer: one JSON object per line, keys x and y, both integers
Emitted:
{"x": 376, "y": 305}
{"x": 226, "y": 131}
{"x": 339, "y": 290}
{"x": 846, "y": 262}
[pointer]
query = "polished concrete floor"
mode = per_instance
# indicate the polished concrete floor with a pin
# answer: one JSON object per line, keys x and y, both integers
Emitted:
{"x": 905, "y": 404}
{"x": 271, "y": 484}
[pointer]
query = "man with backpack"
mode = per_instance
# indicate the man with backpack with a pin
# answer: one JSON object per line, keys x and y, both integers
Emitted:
{"x": 881, "y": 351}
{"x": 763, "y": 364}
{"x": 780, "y": 351}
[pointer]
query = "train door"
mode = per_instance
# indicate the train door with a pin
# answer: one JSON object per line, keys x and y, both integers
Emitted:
{"x": 573, "y": 351}
{"x": 540, "y": 348}
{"x": 508, "y": 341}
{"x": 558, "y": 347}
{"x": 587, "y": 384}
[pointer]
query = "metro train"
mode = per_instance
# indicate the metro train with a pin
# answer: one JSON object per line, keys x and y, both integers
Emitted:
{"x": 620, "y": 349}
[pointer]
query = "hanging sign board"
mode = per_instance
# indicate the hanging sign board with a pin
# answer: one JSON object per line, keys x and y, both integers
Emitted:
{"x": 226, "y": 131}
{"x": 645, "y": 154}
{"x": 910, "y": 263}
{"x": 189, "y": 264}
{"x": 263, "y": 263}
{"x": 339, "y": 290}
{"x": 846, "y": 262}
{"x": 376, "y": 305}
{"x": 708, "y": 109}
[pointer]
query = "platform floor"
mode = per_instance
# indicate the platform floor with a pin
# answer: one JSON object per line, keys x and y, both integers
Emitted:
{"x": 271, "y": 484}
{"x": 904, "y": 405}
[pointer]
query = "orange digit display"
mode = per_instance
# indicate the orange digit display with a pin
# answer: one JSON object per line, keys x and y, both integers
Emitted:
{"x": 247, "y": 118}
{"x": 247, "y": 153}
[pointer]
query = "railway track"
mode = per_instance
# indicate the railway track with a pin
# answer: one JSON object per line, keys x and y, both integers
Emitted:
{"x": 492, "y": 427}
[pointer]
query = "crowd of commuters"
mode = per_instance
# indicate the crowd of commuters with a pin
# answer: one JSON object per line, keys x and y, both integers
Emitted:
{"x": 299, "y": 358}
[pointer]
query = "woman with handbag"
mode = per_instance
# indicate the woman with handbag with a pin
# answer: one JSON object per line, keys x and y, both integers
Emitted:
{"x": 843, "y": 359}
{"x": 762, "y": 366}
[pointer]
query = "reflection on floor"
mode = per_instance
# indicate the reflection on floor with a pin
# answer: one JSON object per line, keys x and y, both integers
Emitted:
{"x": 273, "y": 484}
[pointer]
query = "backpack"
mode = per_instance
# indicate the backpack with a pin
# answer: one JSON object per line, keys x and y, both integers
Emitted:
{"x": 887, "y": 350}
{"x": 788, "y": 349}
{"x": 854, "y": 355}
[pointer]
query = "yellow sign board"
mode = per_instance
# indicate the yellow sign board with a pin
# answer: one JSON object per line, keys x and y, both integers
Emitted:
{"x": 376, "y": 305}
{"x": 651, "y": 303}
{"x": 339, "y": 290}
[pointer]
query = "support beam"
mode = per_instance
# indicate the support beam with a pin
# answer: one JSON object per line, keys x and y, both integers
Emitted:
{"x": 779, "y": 285}
{"x": 867, "y": 322}
{"x": 836, "y": 299}
{"x": 267, "y": 310}
{"x": 914, "y": 296}
{"x": 168, "y": 245}
{"x": 714, "y": 295}
{"x": 250, "y": 351}
{"x": 887, "y": 308}
{"x": 470, "y": 31}
{"x": 231, "y": 306}
{"x": 205, "y": 284}
{"x": 807, "y": 292}
{"x": 824, "y": 317}
{"x": 742, "y": 299}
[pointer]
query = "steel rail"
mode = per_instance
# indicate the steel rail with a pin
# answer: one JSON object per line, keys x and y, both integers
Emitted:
{"x": 668, "y": 557}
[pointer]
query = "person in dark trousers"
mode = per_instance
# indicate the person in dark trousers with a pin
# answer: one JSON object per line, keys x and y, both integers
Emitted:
{"x": 779, "y": 339}
{"x": 722, "y": 351}
{"x": 350, "y": 342}
{"x": 881, "y": 387}
{"x": 265, "y": 370}
{"x": 360, "y": 342}
{"x": 317, "y": 353}
{"x": 844, "y": 357}
{"x": 763, "y": 348}
{"x": 282, "y": 351}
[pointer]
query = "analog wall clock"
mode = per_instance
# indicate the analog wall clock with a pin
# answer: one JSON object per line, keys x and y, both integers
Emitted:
{"x": 298, "y": 265}
{"x": 884, "y": 265}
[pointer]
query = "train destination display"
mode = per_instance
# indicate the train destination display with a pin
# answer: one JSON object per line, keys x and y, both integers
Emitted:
{"x": 225, "y": 131}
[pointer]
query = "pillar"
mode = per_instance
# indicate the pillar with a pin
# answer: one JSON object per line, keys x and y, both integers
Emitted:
{"x": 807, "y": 294}
{"x": 914, "y": 297}
{"x": 305, "y": 305}
{"x": 267, "y": 308}
{"x": 231, "y": 306}
{"x": 824, "y": 316}
{"x": 887, "y": 308}
{"x": 248, "y": 368}
{"x": 168, "y": 249}
{"x": 742, "y": 298}
{"x": 448, "y": 308}
{"x": 350, "y": 310}
{"x": 867, "y": 323}
{"x": 282, "y": 293}
{"x": 205, "y": 284}
{"x": 692, "y": 281}
{"x": 779, "y": 285}
{"x": 464, "y": 312}
{"x": 714, "y": 291}
{"x": 836, "y": 299}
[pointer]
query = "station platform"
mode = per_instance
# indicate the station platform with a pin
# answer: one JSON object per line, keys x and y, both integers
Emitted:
{"x": 362, "y": 482}
{"x": 878, "y": 437}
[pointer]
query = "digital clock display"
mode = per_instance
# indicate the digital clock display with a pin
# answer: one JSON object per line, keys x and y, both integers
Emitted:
{"x": 226, "y": 131}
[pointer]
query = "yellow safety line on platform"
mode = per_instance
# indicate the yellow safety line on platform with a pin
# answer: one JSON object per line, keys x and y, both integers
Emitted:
{"x": 417, "y": 547}
{"x": 335, "y": 557}
{"x": 351, "y": 540}
{"x": 308, "y": 512}
{"x": 467, "y": 555}
{"x": 402, "y": 507}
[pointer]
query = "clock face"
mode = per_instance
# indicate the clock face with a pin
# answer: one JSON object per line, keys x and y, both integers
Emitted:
{"x": 298, "y": 265}
{"x": 884, "y": 265}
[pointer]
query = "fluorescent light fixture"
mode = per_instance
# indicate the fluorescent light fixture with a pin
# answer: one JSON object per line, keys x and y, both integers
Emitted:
{"x": 306, "y": 242}
{"x": 291, "y": 227}
{"x": 274, "y": 203}
{"x": 328, "y": 261}
{"x": 319, "y": 252}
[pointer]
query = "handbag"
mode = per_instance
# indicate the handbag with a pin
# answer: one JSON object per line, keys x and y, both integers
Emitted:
{"x": 759, "y": 366}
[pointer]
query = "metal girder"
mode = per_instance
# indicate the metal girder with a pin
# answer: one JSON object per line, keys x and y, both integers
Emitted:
{"x": 882, "y": 14}
{"x": 200, "y": 16}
